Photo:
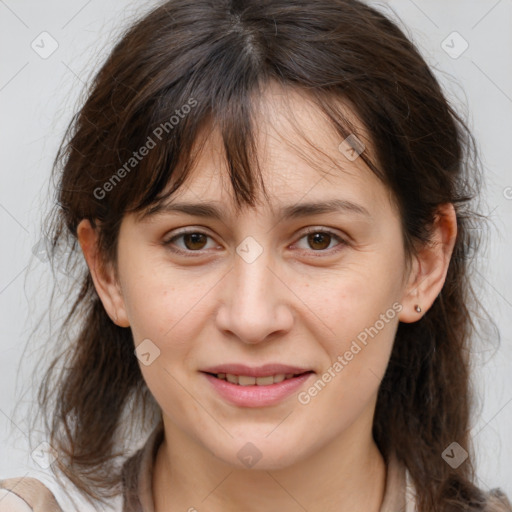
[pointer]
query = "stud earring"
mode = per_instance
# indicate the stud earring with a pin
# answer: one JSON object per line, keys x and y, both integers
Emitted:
{"x": 417, "y": 308}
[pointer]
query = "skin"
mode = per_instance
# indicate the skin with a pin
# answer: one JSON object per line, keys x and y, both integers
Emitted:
{"x": 286, "y": 306}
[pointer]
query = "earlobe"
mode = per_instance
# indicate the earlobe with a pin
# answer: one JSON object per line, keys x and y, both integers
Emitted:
{"x": 105, "y": 282}
{"x": 431, "y": 266}
{"x": 413, "y": 307}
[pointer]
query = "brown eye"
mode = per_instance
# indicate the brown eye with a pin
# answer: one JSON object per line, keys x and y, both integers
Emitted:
{"x": 194, "y": 241}
{"x": 319, "y": 241}
{"x": 191, "y": 241}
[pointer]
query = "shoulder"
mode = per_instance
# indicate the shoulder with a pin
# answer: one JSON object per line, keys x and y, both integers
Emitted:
{"x": 497, "y": 501}
{"x": 468, "y": 497}
{"x": 10, "y": 502}
{"x": 26, "y": 494}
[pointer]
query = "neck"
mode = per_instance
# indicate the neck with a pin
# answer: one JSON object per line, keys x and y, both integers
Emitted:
{"x": 341, "y": 476}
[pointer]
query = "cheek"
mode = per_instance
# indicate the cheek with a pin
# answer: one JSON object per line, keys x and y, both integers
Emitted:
{"x": 347, "y": 302}
{"x": 360, "y": 308}
{"x": 350, "y": 380}
{"x": 168, "y": 309}
{"x": 164, "y": 304}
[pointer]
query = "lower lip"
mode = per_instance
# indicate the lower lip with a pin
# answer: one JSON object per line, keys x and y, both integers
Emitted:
{"x": 257, "y": 396}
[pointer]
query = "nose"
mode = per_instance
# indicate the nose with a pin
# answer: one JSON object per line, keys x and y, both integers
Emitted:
{"x": 255, "y": 301}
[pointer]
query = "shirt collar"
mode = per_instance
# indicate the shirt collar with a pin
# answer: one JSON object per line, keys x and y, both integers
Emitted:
{"x": 138, "y": 477}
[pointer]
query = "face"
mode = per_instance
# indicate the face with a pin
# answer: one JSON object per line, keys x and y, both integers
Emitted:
{"x": 316, "y": 292}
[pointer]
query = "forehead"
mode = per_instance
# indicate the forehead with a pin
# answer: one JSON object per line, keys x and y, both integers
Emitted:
{"x": 300, "y": 155}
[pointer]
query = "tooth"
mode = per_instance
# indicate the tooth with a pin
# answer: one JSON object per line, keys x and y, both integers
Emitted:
{"x": 265, "y": 381}
{"x": 245, "y": 380}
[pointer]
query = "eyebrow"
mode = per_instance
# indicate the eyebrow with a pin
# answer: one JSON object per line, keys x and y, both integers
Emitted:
{"x": 294, "y": 211}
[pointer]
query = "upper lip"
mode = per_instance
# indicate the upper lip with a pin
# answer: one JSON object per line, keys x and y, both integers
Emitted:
{"x": 256, "y": 371}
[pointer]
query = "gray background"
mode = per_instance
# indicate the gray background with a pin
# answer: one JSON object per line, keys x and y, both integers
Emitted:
{"x": 38, "y": 96}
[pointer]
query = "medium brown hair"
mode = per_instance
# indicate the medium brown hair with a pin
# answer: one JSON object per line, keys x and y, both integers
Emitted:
{"x": 216, "y": 57}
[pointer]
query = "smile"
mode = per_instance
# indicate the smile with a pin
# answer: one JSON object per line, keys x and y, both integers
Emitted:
{"x": 251, "y": 391}
{"x": 247, "y": 380}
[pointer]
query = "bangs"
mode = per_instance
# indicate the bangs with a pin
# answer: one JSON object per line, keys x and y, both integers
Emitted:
{"x": 177, "y": 108}
{"x": 150, "y": 118}
{"x": 179, "y": 130}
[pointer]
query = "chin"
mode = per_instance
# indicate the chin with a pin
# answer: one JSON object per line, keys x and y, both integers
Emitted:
{"x": 260, "y": 454}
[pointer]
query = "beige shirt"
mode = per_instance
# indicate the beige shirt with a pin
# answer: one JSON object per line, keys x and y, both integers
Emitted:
{"x": 31, "y": 495}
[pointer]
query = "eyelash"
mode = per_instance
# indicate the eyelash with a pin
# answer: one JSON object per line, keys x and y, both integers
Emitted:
{"x": 342, "y": 242}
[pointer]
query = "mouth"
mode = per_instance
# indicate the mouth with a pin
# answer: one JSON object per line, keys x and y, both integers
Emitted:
{"x": 267, "y": 386}
{"x": 249, "y": 380}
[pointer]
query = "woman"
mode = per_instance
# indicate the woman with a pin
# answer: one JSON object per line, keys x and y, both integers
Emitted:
{"x": 272, "y": 200}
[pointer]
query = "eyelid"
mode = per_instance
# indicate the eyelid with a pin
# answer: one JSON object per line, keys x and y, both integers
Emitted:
{"x": 167, "y": 242}
{"x": 319, "y": 229}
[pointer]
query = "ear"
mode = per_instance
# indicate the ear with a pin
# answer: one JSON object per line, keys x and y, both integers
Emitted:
{"x": 430, "y": 266}
{"x": 104, "y": 279}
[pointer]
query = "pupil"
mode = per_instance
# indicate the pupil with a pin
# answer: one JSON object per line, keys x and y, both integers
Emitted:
{"x": 317, "y": 237}
{"x": 194, "y": 237}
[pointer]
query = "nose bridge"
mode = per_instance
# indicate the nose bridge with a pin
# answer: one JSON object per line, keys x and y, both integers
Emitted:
{"x": 251, "y": 271}
{"x": 254, "y": 305}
